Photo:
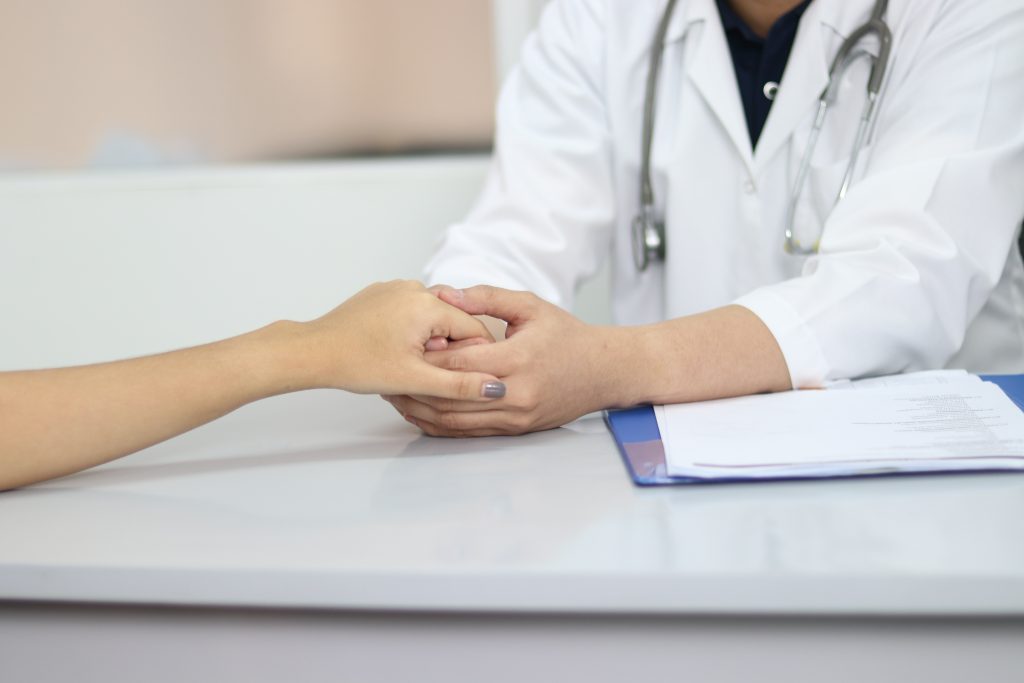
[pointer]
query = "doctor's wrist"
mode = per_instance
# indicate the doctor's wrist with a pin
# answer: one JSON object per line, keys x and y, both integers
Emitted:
{"x": 716, "y": 354}
{"x": 617, "y": 366}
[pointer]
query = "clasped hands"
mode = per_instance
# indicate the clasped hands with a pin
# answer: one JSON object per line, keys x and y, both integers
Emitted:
{"x": 554, "y": 366}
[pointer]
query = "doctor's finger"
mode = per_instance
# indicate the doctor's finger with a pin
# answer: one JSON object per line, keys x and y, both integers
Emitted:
{"x": 429, "y": 407}
{"x": 452, "y": 405}
{"x": 407, "y": 405}
{"x": 435, "y": 431}
{"x": 439, "y": 423}
{"x": 512, "y": 307}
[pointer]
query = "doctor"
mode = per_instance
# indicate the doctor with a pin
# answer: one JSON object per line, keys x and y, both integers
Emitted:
{"x": 767, "y": 281}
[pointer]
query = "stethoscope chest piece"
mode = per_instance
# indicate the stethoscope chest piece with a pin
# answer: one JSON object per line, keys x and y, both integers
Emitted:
{"x": 648, "y": 240}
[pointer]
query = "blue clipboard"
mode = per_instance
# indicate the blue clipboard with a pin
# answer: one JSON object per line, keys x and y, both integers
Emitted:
{"x": 636, "y": 433}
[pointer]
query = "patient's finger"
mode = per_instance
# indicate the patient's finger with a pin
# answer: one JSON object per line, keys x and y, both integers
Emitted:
{"x": 463, "y": 386}
{"x": 463, "y": 343}
{"x": 436, "y": 344}
{"x": 437, "y": 289}
{"x": 454, "y": 324}
{"x": 493, "y": 359}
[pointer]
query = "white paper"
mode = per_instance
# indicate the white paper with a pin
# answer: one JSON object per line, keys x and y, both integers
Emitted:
{"x": 906, "y": 380}
{"x": 884, "y": 426}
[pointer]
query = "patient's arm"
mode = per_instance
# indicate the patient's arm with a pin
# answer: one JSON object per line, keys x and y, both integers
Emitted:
{"x": 54, "y": 422}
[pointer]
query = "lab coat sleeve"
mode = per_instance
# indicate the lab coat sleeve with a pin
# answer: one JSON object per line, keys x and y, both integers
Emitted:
{"x": 909, "y": 258}
{"x": 544, "y": 220}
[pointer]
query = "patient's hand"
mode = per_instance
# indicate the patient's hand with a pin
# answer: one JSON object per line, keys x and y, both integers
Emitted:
{"x": 553, "y": 365}
{"x": 376, "y": 342}
{"x": 495, "y": 327}
{"x": 53, "y": 422}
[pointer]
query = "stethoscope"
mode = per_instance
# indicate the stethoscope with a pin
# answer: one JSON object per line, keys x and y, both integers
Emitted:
{"x": 649, "y": 230}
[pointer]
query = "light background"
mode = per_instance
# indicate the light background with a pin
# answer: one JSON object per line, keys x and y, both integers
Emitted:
{"x": 89, "y": 83}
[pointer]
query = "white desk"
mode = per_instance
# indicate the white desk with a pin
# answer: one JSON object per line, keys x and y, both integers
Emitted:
{"x": 318, "y": 537}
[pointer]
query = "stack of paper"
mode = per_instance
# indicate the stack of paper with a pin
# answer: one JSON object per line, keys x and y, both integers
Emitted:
{"x": 921, "y": 422}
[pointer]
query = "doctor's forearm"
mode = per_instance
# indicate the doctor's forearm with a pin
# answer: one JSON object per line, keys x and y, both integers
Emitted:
{"x": 724, "y": 352}
{"x": 558, "y": 368}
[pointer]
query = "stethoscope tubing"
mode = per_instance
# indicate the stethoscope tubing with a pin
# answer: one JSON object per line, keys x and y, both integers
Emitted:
{"x": 649, "y": 230}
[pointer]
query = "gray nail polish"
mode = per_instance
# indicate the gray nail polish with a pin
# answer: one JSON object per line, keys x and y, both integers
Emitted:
{"x": 493, "y": 390}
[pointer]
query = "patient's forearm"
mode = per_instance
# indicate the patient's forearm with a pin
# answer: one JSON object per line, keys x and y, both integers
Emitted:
{"x": 53, "y": 422}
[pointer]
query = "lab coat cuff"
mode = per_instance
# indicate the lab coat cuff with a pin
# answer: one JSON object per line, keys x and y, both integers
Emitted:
{"x": 808, "y": 368}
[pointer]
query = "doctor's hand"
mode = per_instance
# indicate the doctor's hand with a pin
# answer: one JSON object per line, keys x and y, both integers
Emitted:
{"x": 556, "y": 368}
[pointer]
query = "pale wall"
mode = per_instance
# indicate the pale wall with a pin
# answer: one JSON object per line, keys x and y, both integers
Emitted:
{"x": 239, "y": 80}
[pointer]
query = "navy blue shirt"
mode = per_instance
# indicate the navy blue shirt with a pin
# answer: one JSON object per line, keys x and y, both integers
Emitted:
{"x": 759, "y": 61}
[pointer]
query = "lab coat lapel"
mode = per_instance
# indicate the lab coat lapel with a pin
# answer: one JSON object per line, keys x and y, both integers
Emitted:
{"x": 709, "y": 67}
{"x": 803, "y": 81}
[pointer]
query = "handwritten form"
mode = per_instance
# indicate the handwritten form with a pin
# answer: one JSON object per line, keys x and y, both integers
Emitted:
{"x": 920, "y": 422}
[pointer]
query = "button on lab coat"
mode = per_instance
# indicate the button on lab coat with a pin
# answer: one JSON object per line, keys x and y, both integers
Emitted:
{"x": 918, "y": 266}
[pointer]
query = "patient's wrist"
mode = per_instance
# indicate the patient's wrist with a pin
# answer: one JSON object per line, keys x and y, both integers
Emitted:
{"x": 280, "y": 358}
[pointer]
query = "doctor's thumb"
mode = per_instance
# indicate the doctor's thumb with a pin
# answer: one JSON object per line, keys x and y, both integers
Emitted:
{"x": 493, "y": 301}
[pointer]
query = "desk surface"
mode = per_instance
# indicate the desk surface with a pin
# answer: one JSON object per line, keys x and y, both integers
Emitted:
{"x": 328, "y": 500}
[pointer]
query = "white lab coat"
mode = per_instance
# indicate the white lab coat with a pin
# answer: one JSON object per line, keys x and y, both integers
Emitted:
{"x": 918, "y": 266}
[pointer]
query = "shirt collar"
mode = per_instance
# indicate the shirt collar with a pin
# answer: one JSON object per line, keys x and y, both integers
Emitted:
{"x": 733, "y": 23}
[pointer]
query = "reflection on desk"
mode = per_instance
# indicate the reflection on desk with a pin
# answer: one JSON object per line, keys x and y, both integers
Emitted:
{"x": 325, "y": 499}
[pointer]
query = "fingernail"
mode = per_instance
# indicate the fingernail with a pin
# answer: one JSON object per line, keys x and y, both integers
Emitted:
{"x": 436, "y": 344}
{"x": 493, "y": 390}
